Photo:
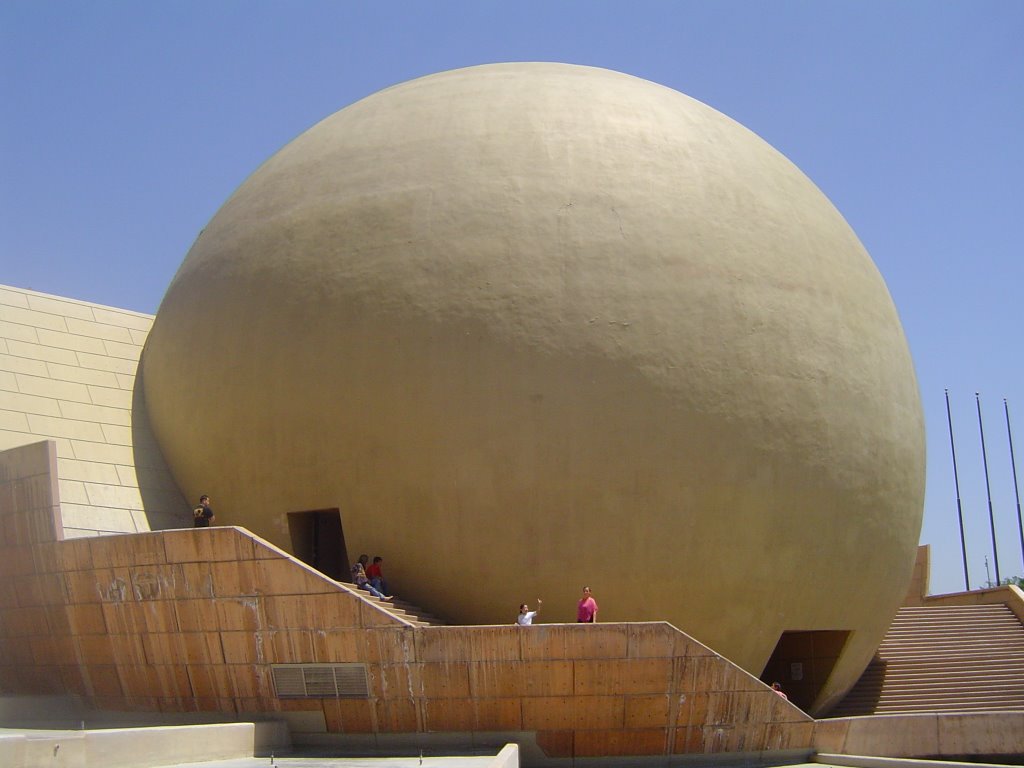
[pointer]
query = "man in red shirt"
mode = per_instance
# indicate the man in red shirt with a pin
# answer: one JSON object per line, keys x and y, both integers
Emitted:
{"x": 376, "y": 575}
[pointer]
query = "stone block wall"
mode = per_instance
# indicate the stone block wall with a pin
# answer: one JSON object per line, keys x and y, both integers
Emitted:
{"x": 29, "y": 500}
{"x": 192, "y": 621}
{"x": 68, "y": 374}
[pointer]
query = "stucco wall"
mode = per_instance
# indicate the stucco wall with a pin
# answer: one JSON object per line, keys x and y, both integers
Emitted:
{"x": 529, "y": 321}
{"x": 68, "y": 374}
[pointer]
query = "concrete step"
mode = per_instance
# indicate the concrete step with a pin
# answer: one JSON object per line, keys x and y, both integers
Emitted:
{"x": 1008, "y": 644}
{"x": 938, "y": 660}
{"x": 980, "y": 686}
{"x": 995, "y": 675}
{"x": 903, "y": 620}
{"x": 911, "y": 641}
{"x": 950, "y": 610}
{"x": 993, "y": 650}
{"x": 950, "y": 618}
{"x": 398, "y": 608}
{"x": 925, "y": 657}
{"x": 933, "y": 655}
{"x": 993, "y": 627}
{"x": 922, "y": 709}
{"x": 940, "y": 692}
{"x": 925, "y": 623}
{"x": 957, "y": 660}
{"x": 407, "y": 611}
{"x": 943, "y": 659}
{"x": 877, "y": 705}
{"x": 932, "y": 705}
{"x": 953, "y": 677}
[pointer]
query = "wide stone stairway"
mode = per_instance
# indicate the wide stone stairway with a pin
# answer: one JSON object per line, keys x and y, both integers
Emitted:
{"x": 943, "y": 659}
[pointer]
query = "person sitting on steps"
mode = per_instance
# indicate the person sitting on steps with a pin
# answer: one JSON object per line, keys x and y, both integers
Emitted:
{"x": 360, "y": 580}
{"x": 375, "y": 573}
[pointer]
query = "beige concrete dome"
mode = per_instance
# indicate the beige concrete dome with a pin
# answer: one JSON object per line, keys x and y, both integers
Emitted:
{"x": 534, "y": 326}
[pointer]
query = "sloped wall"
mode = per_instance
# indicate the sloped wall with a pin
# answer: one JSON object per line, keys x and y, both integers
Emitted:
{"x": 68, "y": 374}
{"x": 192, "y": 620}
{"x": 935, "y": 736}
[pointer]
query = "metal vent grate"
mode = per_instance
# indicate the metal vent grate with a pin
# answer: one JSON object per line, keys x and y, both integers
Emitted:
{"x": 321, "y": 681}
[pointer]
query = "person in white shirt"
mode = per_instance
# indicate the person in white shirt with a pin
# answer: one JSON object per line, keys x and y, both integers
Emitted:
{"x": 525, "y": 617}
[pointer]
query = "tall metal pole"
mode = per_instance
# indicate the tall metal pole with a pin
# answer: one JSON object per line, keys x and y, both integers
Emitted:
{"x": 988, "y": 490}
{"x": 959, "y": 507}
{"x": 1016, "y": 488}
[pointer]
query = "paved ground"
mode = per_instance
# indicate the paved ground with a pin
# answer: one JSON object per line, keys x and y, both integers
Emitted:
{"x": 347, "y": 762}
{"x": 388, "y": 762}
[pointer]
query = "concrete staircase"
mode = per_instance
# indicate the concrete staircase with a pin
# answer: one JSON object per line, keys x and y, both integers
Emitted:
{"x": 943, "y": 659}
{"x": 403, "y": 610}
{"x": 397, "y": 608}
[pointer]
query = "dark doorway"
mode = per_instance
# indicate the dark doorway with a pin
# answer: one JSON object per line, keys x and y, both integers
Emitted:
{"x": 319, "y": 541}
{"x": 802, "y": 662}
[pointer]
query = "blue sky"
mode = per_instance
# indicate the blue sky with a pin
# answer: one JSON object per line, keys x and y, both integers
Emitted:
{"x": 125, "y": 125}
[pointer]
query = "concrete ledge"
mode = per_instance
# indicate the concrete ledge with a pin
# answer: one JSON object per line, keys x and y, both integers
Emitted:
{"x": 507, "y": 758}
{"x": 136, "y": 747}
{"x": 12, "y": 749}
{"x": 932, "y": 735}
{"x": 139, "y": 747}
{"x": 468, "y": 748}
{"x": 865, "y": 761}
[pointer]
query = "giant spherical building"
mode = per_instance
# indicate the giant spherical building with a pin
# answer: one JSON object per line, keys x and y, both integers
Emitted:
{"x": 533, "y": 326}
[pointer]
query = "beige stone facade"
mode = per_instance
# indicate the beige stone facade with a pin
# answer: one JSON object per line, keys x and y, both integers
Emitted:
{"x": 68, "y": 374}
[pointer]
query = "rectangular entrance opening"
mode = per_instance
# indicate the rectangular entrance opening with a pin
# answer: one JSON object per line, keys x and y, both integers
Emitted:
{"x": 803, "y": 661}
{"x": 319, "y": 541}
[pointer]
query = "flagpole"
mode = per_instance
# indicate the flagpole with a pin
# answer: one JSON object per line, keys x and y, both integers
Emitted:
{"x": 1016, "y": 488}
{"x": 959, "y": 507}
{"x": 988, "y": 490}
